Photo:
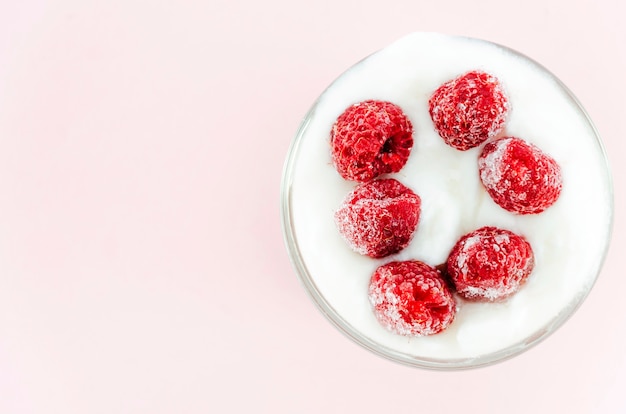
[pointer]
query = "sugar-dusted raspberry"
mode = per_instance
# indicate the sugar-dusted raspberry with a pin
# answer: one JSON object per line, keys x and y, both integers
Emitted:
{"x": 469, "y": 109}
{"x": 411, "y": 298}
{"x": 371, "y": 138}
{"x": 490, "y": 264}
{"x": 379, "y": 218}
{"x": 518, "y": 176}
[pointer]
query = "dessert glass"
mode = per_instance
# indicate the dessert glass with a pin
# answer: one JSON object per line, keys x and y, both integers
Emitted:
{"x": 296, "y": 182}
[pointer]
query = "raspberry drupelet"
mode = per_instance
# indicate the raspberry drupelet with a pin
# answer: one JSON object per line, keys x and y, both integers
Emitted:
{"x": 469, "y": 109}
{"x": 518, "y": 176}
{"x": 379, "y": 218}
{"x": 411, "y": 298}
{"x": 490, "y": 264}
{"x": 369, "y": 139}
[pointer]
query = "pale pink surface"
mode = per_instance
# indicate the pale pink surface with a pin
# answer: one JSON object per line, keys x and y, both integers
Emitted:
{"x": 142, "y": 263}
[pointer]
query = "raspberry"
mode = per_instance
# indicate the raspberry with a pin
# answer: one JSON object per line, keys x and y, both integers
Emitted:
{"x": 379, "y": 218}
{"x": 411, "y": 298}
{"x": 518, "y": 176}
{"x": 490, "y": 264}
{"x": 369, "y": 139}
{"x": 469, "y": 110}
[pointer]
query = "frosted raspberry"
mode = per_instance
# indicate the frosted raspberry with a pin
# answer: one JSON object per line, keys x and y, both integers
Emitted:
{"x": 369, "y": 139}
{"x": 518, "y": 176}
{"x": 490, "y": 264}
{"x": 469, "y": 110}
{"x": 411, "y": 298}
{"x": 379, "y": 218}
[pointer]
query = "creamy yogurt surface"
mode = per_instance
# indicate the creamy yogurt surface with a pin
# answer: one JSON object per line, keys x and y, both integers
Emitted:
{"x": 569, "y": 239}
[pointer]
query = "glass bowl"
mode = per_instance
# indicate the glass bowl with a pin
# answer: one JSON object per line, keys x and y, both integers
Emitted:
{"x": 570, "y": 239}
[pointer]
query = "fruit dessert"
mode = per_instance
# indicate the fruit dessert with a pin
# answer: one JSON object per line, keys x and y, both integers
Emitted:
{"x": 447, "y": 202}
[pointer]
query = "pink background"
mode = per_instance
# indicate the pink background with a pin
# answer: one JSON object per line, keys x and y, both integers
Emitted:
{"x": 142, "y": 266}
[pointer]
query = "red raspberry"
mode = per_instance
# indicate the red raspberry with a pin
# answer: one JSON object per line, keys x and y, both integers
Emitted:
{"x": 518, "y": 176}
{"x": 469, "y": 110}
{"x": 379, "y": 218}
{"x": 411, "y": 298}
{"x": 369, "y": 139}
{"x": 490, "y": 264}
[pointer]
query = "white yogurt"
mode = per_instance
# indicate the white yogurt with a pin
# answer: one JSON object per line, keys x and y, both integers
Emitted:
{"x": 569, "y": 239}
